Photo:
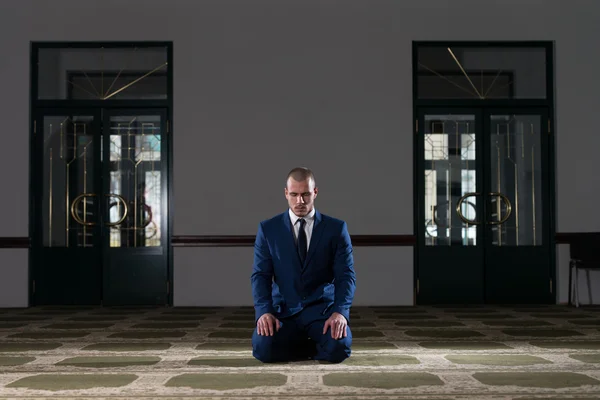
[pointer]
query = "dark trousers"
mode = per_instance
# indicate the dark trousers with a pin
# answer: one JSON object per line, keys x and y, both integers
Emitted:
{"x": 301, "y": 338}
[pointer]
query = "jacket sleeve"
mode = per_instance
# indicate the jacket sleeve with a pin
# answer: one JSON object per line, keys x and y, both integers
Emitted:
{"x": 345, "y": 278}
{"x": 262, "y": 275}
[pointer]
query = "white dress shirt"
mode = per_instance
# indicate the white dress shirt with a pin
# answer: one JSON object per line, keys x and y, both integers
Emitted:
{"x": 308, "y": 225}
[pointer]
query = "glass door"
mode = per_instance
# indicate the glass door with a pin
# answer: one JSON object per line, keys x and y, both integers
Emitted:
{"x": 483, "y": 207}
{"x": 135, "y": 202}
{"x": 450, "y": 250}
{"x": 101, "y": 206}
{"x": 518, "y": 260}
{"x": 68, "y": 257}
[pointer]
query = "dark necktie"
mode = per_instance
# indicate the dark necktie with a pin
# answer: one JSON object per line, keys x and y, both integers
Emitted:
{"x": 302, "y": 241}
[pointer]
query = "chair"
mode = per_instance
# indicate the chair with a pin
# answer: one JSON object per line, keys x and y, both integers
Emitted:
{"x": 584, "y": 253}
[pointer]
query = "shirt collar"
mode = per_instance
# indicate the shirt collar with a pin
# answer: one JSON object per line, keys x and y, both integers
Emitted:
{"x": 294, "y": 218}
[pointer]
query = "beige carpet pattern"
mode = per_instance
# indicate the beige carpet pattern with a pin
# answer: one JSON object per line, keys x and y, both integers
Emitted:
{"x": 509, "y": 352}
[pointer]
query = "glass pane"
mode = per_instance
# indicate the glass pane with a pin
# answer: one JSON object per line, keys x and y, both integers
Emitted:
{"x": 135, "y": 181}
{"x": 481, "y": 72}
{"x": 69, "y": 205}
{"x": 449, "y": 176}
{"x": 516, "y": 180}
{"x": 102, "y": 73}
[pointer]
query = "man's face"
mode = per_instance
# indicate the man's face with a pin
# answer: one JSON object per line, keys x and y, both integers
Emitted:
{"x": 301, "y": 196}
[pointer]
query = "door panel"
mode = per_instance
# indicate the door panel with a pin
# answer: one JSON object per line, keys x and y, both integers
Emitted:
{"x": 136, "y": 267}
{"x": 484, "y": 203}
{"x": 100, "y": 208}
{"x": 451, "y": 232}
{"x": 68, "y": 263}
{"x": 517, "y": 250}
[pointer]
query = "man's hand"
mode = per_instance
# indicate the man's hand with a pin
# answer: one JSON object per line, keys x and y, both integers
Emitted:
{"x": 265, "y": 325}
{"x": 338, "y": 324}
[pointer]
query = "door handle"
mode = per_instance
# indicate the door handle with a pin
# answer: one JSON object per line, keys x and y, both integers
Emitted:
{"x": 445, "y": 204}
{"x": 459, "y": 211}
{"x": 126, "y": 209}
{"x": 81, "y": 197}
{"x": 75, "y": 212}
{"x": 508, "y": 208}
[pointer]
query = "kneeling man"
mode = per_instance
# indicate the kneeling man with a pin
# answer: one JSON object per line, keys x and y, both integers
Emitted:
{"x": 303, "y": 280}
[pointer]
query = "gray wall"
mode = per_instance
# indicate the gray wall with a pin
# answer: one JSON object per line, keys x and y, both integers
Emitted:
{"x": 254, "y": 78}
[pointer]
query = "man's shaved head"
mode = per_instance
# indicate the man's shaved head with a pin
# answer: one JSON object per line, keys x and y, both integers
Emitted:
{"x": 300, "y": 174}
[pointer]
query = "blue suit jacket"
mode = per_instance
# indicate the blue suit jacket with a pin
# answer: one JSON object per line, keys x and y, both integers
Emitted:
{"x": 324, "y": 284}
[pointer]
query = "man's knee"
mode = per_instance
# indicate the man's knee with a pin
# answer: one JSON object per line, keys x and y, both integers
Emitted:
{"x": 262, "y": 347}
{"x": 338, "y": 350}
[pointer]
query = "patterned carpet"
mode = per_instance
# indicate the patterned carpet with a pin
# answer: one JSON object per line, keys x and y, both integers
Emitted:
{"x": 507, "y": 352}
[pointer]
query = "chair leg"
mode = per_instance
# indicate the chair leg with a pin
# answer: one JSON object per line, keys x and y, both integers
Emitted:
{"x": 576, "y": 287}
{"x": 570, "y": 283}
{"x": 589, "y": 285}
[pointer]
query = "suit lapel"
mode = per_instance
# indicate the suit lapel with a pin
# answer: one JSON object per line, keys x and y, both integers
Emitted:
{"x": 315, "y": 237}
{"x": 289, "y": 239}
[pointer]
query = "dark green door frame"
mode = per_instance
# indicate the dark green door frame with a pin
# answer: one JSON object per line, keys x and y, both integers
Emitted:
{"x": 41, "y": 104}
{"x": 543, "y": 106}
